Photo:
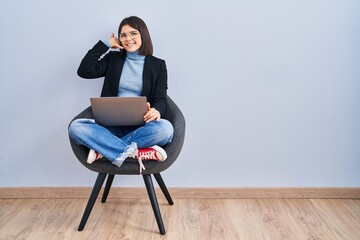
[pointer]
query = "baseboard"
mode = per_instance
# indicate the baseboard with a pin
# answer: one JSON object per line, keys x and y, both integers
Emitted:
{"x": 182, "y": 193}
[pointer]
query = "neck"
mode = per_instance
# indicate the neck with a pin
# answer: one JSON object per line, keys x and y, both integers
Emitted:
{"x": 134, "y": 55}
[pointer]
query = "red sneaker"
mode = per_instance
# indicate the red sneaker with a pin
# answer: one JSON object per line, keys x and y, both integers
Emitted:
{"x": 152, "y": 153}
{"x": 93, "y": 156}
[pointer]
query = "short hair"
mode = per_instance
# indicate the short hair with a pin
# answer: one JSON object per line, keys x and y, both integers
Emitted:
{"x": 138, "y": 24}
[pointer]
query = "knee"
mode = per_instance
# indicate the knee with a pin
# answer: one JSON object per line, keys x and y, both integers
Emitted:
{"x": 78, "y": 127}
{"x": 167, "y": 130}
{"x": 73, "y": 129}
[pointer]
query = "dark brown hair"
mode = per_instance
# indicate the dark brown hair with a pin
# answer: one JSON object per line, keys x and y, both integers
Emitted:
{"x": 137, "y": 23}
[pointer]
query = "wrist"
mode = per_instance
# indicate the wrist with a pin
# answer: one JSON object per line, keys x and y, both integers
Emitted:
{"x": 106, "y": 42}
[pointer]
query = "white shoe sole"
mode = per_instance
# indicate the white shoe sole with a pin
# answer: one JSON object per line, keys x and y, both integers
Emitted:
{"x": 92, "y": 156}
{"x": 160, "y": 151}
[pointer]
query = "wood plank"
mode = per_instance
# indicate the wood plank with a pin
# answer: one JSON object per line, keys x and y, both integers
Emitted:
{"x": 255, "y": 219}
{"x": 184, "y": 193}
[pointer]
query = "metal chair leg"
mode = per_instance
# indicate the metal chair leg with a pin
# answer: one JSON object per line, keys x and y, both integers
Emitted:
{"x": 109, "y": 181}
{"x": 154, "y": 203}
{"x": 94, "y": 194}
{"x": 163, "y": 188}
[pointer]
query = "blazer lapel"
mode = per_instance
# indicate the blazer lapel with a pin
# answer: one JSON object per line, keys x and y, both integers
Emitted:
{"x": 119, "y": 64}
{"x": 146, "y": 77}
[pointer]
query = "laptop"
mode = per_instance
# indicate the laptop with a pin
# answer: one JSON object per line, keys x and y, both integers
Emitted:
{"x": 119, "y": 111}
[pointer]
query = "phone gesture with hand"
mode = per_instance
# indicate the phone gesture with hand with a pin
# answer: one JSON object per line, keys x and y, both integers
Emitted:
{"x": 114, "y": 42}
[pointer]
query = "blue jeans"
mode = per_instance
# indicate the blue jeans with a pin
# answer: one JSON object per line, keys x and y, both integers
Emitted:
{"x": 113, "y": 142}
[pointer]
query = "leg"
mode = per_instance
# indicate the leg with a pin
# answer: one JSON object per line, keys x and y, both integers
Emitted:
{"x": 94, "y": 136}
{"x": 95, "y": 192}
{"x": 154, "y": 203}
{"x": 107, "y": 187}
{"x": 153, "y": 133}
{"x": 163, "y": 188}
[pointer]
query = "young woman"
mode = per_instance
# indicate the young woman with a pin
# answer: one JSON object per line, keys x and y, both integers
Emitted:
{"x": 131, "y": 71}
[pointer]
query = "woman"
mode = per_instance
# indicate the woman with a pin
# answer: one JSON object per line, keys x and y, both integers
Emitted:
{"x": 131, "y": 71}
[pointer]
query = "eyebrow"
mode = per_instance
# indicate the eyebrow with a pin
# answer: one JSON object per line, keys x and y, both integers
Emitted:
{"x": 130, "y": 32}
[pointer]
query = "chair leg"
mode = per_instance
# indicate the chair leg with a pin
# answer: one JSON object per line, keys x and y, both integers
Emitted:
{"x": 94, "y": 194}
{"x": 154, "y": 203}
{"x": 163, "y": 188}
{"x": 109, "y": 181}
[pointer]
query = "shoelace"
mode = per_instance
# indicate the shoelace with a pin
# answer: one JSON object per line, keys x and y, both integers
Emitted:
{"x": 142, "y": 167}
{"x": 130, "y": 151}
{"x": 145, "y": 155}
{"x": 148, "y": 155}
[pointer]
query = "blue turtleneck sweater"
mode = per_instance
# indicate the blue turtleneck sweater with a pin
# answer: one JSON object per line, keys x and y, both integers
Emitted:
{"x": 131, "y": 82}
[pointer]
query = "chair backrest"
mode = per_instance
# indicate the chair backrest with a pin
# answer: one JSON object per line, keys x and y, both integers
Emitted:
{"x": 130, "y": 166}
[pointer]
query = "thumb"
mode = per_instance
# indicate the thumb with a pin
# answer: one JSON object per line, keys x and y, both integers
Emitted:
{"x": 148, "y": 105}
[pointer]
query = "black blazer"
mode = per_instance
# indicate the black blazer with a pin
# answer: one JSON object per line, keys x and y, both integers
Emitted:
{"x": 110, "y": 66}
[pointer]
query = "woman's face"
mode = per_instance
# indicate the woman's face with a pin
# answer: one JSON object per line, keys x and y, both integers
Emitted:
{"x": 130, "y": 38}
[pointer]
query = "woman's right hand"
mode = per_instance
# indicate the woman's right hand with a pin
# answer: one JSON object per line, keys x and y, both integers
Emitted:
{"x": 114, "y": 42}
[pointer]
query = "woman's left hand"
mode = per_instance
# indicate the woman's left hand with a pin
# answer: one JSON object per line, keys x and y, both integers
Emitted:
{"x": 152, "y": 114}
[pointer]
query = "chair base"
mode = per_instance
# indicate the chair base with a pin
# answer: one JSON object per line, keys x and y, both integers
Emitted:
{"x": 150, "y": 190}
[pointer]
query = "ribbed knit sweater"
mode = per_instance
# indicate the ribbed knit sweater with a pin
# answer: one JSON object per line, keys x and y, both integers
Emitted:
{"x": 131, "y": 80}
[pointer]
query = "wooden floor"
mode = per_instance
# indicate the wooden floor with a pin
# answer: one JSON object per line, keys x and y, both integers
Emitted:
{"x": 187, "y": 219}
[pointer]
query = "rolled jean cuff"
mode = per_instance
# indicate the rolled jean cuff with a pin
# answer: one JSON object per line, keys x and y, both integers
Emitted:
{"x": 129, "y": 151}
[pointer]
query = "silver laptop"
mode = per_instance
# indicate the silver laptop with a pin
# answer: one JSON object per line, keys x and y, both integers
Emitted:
{"x": 119, "y": 111}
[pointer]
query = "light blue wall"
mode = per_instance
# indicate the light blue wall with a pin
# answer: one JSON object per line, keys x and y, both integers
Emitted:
{"x": 270, "y": 89}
